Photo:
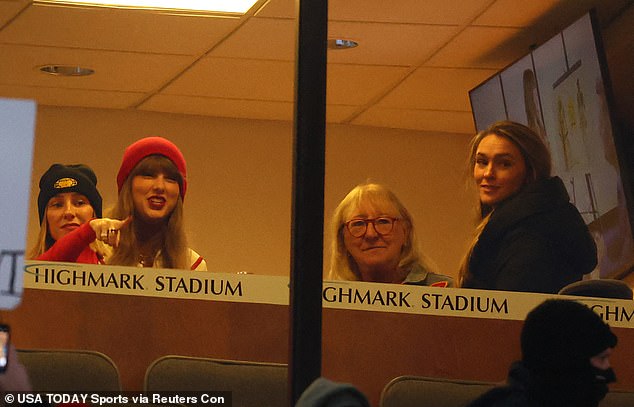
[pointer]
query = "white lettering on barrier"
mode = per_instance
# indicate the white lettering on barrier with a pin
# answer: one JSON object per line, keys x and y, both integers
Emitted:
{"x": 352, "y": 295}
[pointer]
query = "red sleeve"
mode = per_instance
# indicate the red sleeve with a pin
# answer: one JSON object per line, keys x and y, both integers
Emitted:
{"x": 197, "y": 263}
{"x": 69, "y": 247}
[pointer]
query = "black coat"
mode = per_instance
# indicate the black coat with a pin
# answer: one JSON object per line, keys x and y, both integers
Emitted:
{"x": 535, "y": 241}
{"x": 524, "y": 388}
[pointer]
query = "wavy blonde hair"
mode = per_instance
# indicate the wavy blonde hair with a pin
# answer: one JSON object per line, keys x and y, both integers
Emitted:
{"x": 44, "y": 239}
{"x": 343, "y": 266}
{"x": 538, "y": 167}
{"x": 172, "y": 240}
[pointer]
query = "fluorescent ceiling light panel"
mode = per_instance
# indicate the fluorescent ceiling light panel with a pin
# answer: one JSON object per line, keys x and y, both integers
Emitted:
{"x": 218, "y": 6}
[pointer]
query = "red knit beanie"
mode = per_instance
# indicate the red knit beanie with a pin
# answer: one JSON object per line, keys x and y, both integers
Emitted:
{"x": 150, "y": 146}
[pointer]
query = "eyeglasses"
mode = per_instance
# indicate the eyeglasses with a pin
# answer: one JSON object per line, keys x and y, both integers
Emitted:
{"x": 382, "y": 225}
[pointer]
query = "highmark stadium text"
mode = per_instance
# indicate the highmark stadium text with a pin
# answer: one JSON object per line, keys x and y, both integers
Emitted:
{"x": 475, "y": 304}
{"x": 132, "y": 282}
{"x": 210, "y": 398}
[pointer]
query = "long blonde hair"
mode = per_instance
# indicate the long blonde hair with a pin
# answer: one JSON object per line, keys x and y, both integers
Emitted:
{"x": 174, "y": 252}
{"x": 343, "y": 266}
{"x": 538, "y": 167}
{"x": 45, "y": 241}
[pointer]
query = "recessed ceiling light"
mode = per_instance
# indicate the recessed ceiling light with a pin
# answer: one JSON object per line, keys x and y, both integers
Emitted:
{"x": 210, "y": 6}
{"x": 339, "y": 43}
{"x": 66, "y": 70}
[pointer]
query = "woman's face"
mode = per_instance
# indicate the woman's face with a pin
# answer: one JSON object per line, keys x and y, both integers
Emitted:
{"x": 376, "y": 255}
{"x": 65, "y": 212}
{"x": 154, "y": 196}
{"x": 499, "y": 170}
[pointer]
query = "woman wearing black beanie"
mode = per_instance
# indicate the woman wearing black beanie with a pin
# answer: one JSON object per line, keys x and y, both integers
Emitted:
{"x": 67, "y": 201}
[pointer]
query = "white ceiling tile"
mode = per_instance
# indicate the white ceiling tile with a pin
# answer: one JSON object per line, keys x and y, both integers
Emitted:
{"x": 237, "y": 78}
{"x": 278, "y": 8}
{"x": 424, "y": 120}
{"x": 9, "y": 9}
{"x": 113, "y": 29}
{"x": 359, "y": 84}
{"x": 436, "y": 88}
{"x": 513, "y": 13}
{"x": 121, "y": 71}
{"x": 419, "y": 55}
{"x": 406, "y": 11}
{"x": 261, "y": 38}
{"x": 72, "y": 97}
{"x": 380, "y": 43}
{"x": 388, "y": 44}
{"x": 251, "y": 109}
{"x": 339, "y": 113}
{"x": 479, "y": 47}
{"x": 248, "y": 109}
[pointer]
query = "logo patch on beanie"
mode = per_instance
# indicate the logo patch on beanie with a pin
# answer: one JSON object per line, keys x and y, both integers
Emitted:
{"x": 65, "y": 183}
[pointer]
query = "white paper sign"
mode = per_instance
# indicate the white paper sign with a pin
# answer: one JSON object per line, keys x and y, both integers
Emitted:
{"x": 17, "y": 127}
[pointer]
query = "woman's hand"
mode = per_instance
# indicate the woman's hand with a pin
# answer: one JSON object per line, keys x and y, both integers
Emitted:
{"x": 108, "y": 230}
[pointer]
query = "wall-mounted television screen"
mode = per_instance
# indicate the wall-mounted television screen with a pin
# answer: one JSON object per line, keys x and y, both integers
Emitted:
{"x": 560, "y": 90}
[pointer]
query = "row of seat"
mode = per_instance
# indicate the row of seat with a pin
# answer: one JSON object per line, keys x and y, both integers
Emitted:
{"x": 252, "y": 384}
{"x": 415, "y": 391}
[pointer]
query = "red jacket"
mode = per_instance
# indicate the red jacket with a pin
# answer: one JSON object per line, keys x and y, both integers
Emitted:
{"x": 74, "y": 247}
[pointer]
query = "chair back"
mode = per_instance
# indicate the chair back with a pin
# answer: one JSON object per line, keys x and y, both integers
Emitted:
{"x": 603, "y": 288}
{"x": 415, "y": 391}
{"x": 70, "y": 370}
{"x": 252, "y": 384}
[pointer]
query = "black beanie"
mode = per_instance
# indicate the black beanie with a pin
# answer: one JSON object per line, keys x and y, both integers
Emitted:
{"x": 68, "y": 178}
{"x": 563, "y": 334}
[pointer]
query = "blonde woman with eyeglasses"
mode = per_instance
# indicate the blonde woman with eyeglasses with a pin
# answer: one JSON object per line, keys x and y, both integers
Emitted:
{"x": 373, "y": 239}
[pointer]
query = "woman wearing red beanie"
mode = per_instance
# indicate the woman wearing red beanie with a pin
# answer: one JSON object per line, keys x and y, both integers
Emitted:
{"x": 152, "y": 182}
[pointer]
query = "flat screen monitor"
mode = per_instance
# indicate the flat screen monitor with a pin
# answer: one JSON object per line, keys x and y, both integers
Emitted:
{"x": 561, "y": 90}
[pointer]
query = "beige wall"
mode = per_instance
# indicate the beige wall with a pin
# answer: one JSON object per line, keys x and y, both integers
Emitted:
{"x": 238, "y": 201}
